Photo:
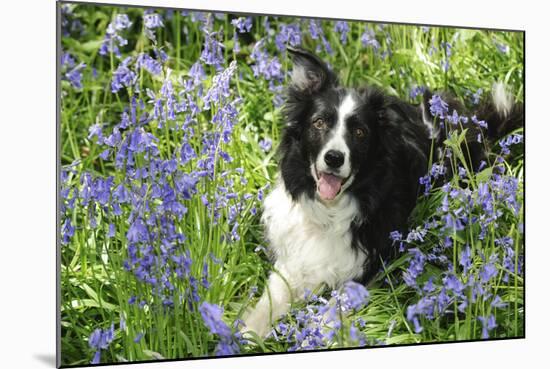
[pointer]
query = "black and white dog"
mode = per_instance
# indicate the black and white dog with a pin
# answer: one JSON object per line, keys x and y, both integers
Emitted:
{"x": 350, "y": 165}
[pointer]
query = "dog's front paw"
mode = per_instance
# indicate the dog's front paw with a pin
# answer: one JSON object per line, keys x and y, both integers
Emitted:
{"x": 255, "y": 325}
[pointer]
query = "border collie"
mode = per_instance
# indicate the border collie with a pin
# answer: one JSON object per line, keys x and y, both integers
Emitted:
{"x": 350, "y": 163}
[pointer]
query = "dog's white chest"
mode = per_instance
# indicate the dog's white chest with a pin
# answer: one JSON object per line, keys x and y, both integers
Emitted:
{"x": 312, "y": 241}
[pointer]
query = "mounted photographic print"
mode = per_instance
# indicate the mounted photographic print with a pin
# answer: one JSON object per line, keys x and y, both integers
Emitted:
{"x": 240, "y": 184}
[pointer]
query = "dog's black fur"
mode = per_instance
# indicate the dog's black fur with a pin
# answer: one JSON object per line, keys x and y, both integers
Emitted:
{"x": 389, "y": 157}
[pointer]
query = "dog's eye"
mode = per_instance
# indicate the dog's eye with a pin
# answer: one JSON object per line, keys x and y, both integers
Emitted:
{"x": 319, "y": 123}
{"x": 359, "y": 132}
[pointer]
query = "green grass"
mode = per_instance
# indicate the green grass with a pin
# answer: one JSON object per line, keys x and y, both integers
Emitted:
{"x": 95, "y": 286}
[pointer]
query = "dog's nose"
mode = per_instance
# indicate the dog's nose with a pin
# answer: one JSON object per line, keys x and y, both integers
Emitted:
{"x": 334, "y": 159}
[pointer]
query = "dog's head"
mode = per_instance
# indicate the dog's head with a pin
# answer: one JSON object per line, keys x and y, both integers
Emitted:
{"x": 329, "y": 132}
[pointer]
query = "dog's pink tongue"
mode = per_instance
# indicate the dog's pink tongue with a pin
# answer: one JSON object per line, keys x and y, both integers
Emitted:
{"x": 329, "y": 186}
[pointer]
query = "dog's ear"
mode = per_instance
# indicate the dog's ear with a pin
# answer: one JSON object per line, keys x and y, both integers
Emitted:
{"x": 375, "y": 100}
{"x": 309, "y": 73}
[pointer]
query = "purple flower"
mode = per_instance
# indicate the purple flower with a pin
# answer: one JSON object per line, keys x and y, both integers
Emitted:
{"x": 456, "y": 119}
{"x": 417, "y": 90}
{"x": 368, "y": 38}
{"x": 96, "y": 130}
{"x": 138, "y": 337}
{"x": 67, "y": 231}
{"x": 121, "y": 22}
{"x": 480, "y": 123}
{"x": 123, "y": 76}
{"x": 503, "y": 48}
{"x": 396, "y": 236}
{"x": 269, "y": 68}
{"x": 100, "y": 340}
{"x": 416, "y": 267}
{"x": 498, "y": 303}
{"x": 220, "y": 86}
{"x": 137, "y": 232}
{"x": 97, "y": 357}
{"x": 112, "y": 230}
{"x": 212, "y": 318}
{"x": 438, "y": 170}
{"x": 438, "y": 107}
{"x": 476, "y": 96}
{"x": 465, "y": 259}
{"x": 149, "y": 64}
{"x": 265, "y": 144}
{"x": 152, "y": 20}
{"x": 242, "y": 24}
{"x": 112, "y": 39}
{"x": 512, "y": 139}
{"x": 225, "y": 348}
{"x": 355, "y": 296}
{"x": 416, "y": 235}
{"x": 74, "y": 76}
{"x": 315, "y": 29}
{"x": 452, "y": 283}
{"x": 288, "y": 34}
{"x": 488, "y": 271}
{"x": 212, "y": 53}
{"x": 487, "y": 325}
{"x": 342, "y": 27}
{"x": 424, "y": 307}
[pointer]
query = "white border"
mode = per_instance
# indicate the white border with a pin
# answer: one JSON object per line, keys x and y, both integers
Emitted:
{"x": 27, "y": 181}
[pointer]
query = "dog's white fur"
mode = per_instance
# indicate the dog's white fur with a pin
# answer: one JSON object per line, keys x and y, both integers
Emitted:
{"x": 338, "y": 140}
{"x": 502, "y": 99}
{"x": 311, "y": 242}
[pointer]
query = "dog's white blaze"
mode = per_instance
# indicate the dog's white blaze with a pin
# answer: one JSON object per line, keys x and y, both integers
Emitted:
{"x": 311, "y": 243}
{"x": 338, "y": 139}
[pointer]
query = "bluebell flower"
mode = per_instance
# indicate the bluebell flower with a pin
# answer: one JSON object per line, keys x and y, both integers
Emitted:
{"x": 212, "y": 317}
{"x": 438, "y": 107}
{"x": 452, "y": 283}
{"x": 415, "y": 268}
{"x": 465, "y": 259}
{"x": 355, "y": 296}
{"x": 510, "y": 140}
{"x": 502, "y": 47}
{"x": 342, "y": 27}
{"x": 288, "y": 34}
{"x": 212, "y": 53}
{"x": 488, "y": 271}
{"x": 242, "y": 24}
{"x": 480, "y": 123}
{"x": 268, "y": 68}
{"x": 315, "y": 29}
{"x": 100, "y": 340}
{"x": 112, "y": 39}
{"x": 219, "y": 90}
{"x": 487, "y": 325}
{"x": 368, "y": 39}
{"x": 152, "y": 20}
{"x": 138, "y": 337}
{"x": 498, "y": 303}
{"x": 416, "y": 235}
{"x": 151, "y": 65}
{"x": 74, "y": 76}
{"x": 416, "y": 90}
{"x": 67, "y": 231}
{"x": 476, "y": 96}
{"x": 265, "y": 144}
